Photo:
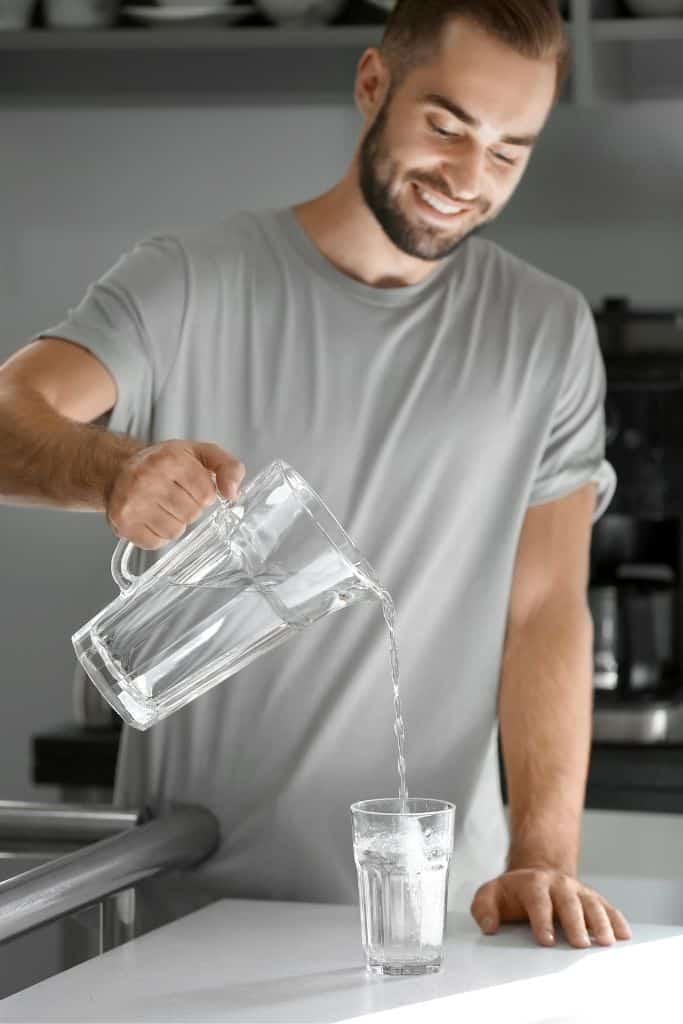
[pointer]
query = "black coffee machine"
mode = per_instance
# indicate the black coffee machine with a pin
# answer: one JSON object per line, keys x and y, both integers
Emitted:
{"x": 636, "y": 582}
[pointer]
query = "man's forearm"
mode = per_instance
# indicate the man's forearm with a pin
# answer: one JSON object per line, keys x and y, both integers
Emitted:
{"x": 545, "y": 719}
{"x": 48, "y": 459}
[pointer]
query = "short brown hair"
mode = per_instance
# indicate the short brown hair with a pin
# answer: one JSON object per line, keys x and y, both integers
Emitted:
{"x": 534, "y": 28}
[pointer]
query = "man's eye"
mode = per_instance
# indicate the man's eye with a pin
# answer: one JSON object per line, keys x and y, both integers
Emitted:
{"x": 442, "y": 131}
{"x": 505, "y": 159}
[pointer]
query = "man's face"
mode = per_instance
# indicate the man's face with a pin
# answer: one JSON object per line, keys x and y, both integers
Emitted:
{"x": 457, "y": 133}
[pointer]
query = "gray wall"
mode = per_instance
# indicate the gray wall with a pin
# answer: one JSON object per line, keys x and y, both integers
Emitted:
{"x": 602, "y": 207}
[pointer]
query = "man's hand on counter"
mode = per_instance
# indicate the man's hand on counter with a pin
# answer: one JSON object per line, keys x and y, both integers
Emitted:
{"x": 543, "y": 897}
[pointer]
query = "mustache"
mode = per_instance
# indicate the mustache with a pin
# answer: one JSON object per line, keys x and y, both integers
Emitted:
{"x": 482, "y": 205}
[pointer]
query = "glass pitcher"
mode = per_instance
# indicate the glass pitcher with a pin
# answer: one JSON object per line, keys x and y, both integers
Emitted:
{"x": 250, "y": 574}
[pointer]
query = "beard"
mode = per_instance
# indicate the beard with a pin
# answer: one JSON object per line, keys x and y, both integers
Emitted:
{"x": 378, "y": 172}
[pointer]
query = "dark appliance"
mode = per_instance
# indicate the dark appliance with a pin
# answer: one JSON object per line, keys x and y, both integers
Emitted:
{"x": 636, "y": 582}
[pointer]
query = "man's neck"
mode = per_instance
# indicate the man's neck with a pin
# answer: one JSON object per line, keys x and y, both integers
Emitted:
{"x": 342, "y": 227}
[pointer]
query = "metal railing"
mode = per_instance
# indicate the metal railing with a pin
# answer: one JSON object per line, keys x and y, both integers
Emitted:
{"x": 33, "y": 827}
{"x": 112, "y": 862}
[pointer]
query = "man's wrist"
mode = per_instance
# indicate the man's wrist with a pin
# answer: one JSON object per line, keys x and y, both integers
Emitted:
{"x": 545, "y": 841}
{"x": 109, "y": 452}
{"x": 540, "y": 861}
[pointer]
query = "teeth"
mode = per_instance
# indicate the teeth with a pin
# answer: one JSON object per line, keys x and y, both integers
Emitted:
{"x": 439, "y": 204}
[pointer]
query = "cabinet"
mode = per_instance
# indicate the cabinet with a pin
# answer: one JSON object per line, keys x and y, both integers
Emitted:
{"x": 616, "y": 58}
{"x": 623, "y": 59}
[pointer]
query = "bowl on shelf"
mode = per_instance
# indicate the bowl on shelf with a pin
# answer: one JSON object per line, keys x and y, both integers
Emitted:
{"x": 186, "y": 5}
{"x": 655, "y": 8}
{"x": 16, "y": 14}
{"x": 301, "y": 12}
{"x": 79, "y": 13}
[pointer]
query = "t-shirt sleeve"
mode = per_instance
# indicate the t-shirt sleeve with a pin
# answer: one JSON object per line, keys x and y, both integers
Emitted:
{"x": 131, "y": 318}
{"x": 574, "y": 453}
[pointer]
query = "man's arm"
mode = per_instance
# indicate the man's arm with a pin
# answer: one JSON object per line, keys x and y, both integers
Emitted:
{"x": 52, "y": 454}
{"x": 546, "y": 688}
{"x": 545, "y": 720}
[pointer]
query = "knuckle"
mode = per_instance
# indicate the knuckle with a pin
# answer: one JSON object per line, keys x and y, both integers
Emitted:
{"x": 539, "y": 882}
{"x": 152, "y": 543}
{"x": 139, "y": 478}
{"x": 204, "y": 495}
{"x": 167, "y": 461}
{"x": 204, "y": 448}
{"x": 125, "y": 508}
{"x": 129, "y": 518}
{"x": 171, "y": 445}
{"x": 536, "y": 879}
{"x": 564, "y": 886}
{"x": 592, "y": 900}
{"x": 206, "y": 492}
{"x": 159, "y": 455}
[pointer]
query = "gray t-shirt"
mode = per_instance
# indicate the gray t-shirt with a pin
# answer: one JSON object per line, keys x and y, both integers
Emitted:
{"x": 429, "y": 418}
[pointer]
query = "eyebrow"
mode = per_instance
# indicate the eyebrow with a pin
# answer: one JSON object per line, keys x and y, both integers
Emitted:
{"x": 434, "y": 99}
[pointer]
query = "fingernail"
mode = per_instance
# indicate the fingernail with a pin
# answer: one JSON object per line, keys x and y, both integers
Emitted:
{"x": 549, "y": 937}
{"x": 585, "y": 939}
{"x": 487, "y": 924}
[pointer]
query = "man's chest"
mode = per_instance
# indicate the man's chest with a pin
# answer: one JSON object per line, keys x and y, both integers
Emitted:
{"x": 327, "y": 385}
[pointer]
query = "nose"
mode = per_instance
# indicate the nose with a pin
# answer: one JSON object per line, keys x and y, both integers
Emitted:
{"x": 465, "y": 174}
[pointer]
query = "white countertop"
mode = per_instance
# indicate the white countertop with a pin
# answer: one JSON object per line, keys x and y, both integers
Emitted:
{"x": 244, "y": 960}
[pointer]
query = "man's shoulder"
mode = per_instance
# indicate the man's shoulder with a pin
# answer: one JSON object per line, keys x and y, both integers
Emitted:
{"x": 220, "y": 238}
{"x": 519, "y": 283}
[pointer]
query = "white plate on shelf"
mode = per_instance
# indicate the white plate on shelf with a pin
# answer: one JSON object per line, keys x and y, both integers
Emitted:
{"x": 179, "y": 14}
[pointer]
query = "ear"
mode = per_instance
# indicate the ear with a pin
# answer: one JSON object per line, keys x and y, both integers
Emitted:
{"x": 372, "y": 83}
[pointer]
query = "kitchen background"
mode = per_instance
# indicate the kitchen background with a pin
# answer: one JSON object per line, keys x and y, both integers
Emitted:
{"x": 100, "y": 150}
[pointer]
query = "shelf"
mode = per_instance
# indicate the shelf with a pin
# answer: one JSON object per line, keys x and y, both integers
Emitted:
{"x": 616, "y": 30}
{"x": 131, "y": 65}
{"x": 235, "y": 38}
{"x": 188, "y": 67}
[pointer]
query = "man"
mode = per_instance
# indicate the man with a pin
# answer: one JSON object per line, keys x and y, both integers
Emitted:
{"x": 446, "y": 400}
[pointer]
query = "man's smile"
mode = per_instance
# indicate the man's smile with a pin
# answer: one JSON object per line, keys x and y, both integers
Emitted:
{"x": 436, "y": 206}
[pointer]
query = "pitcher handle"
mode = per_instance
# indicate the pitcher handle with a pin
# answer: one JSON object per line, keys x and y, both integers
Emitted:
{"x": 120, "y": 570}
{"x": 123, "y": 577}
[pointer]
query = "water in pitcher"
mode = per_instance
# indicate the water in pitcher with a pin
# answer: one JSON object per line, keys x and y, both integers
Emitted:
{"x": 205, "y": 630}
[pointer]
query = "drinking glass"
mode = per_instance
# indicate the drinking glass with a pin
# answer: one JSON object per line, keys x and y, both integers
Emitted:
{"x": 402, "y": 851}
